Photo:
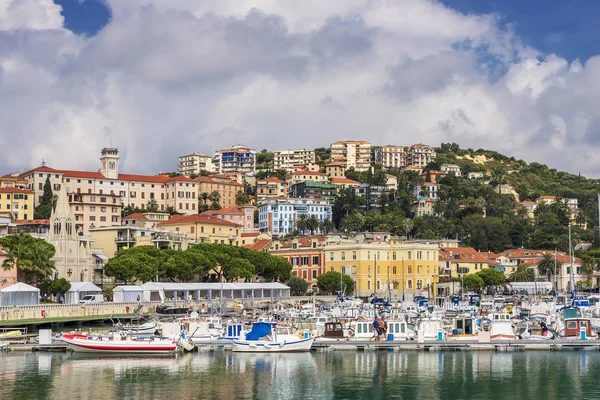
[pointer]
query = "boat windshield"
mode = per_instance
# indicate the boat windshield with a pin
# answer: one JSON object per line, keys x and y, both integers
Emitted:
{"x": 571, "y": 313}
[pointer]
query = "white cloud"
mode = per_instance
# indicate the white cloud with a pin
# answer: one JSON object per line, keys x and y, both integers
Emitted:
{"x": 164, "y": 78}
{"x": 29, "y": 14}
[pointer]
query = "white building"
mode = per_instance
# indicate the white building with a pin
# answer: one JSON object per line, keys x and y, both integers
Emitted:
{"x": 352, "y": 153}
{"x": 290, "y": 160}
{"x": 237, "y": 159}
{"x": 194, "y": 164}
{"x": 451, "y": 168}
{"x": 419, "y": 155}
{"x": 390, "y": 156}
{"x": 279, "y": 216}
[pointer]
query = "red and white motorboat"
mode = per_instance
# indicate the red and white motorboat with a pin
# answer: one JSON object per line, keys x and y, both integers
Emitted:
{"x": 119, "y": 345}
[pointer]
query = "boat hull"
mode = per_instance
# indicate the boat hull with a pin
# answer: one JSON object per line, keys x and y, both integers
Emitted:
{"x": 261, "y": 346}
{"x": 120, "y": 347}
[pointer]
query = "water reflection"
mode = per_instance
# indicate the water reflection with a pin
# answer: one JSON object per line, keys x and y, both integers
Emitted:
{"x": 331, "y": 375}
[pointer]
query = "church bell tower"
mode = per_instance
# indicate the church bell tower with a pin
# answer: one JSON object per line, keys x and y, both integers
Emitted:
{"x": 110, "y": 163}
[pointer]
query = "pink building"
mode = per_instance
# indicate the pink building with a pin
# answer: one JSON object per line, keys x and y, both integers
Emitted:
{"x": 8, "y": 277}
{"x": 241, "y": 215}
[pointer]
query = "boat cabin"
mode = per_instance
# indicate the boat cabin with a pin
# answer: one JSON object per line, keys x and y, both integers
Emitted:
{"x": 364, "y": 329}
{"x": 333, "y": 330}
{"x": 233, "y": 330}
{"x": 464, "y": 326}
{"x": 399, "y": 330}
{"x": 573, "y": 328}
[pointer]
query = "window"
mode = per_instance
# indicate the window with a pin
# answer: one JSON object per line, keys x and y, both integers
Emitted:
{"x": 315, "y": 260}
{"x": 409, "y": 284}
{"x": 304, "y": 274}
{"x": 314, "y": 274}
{"x": 102, "y": 199}
{"x": 294, "y": 260}
{"x": 92, "y": 218}
{"x": 410, "y": 269}
{"x": 304, "y": 260}
{"x": 343, "y": 255}
{"x": 394, "y": 257}
{"x": 102, "y": 219}
{"x": 354, "y": 255}
{"x": 331, "y": 256}
{"x": 102, "y": 209}
{"x": 132, "y": 195}
{"x": 394, "y": 270}
{"x": 92, "y": 208}
{"x": 419, "y": 284}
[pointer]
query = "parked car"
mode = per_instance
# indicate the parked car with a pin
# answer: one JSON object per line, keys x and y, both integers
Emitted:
{"x": 91, "y": 298}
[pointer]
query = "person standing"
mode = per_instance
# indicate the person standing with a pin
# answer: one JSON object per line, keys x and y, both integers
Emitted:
{"x": 382, "y": 327}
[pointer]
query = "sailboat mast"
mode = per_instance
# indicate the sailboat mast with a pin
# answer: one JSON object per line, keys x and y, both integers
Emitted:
{"x": 571, "y": 262}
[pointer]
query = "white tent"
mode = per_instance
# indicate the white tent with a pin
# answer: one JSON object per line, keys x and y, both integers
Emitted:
{"x": 20, "y": 294}
{"x": 127, "y": 294}
{"x": 80, "y": 289}
{"x": 169, "y": 291}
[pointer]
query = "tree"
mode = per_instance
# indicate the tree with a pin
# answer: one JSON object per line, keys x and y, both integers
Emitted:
{"x": 472, "y": 281}
{"x": 241, "y": 198}
{"x": 312, "y": 224}
{"x": 546, "y": 266}
{"x": 31, "y": 257}
{"x": 326, "y": 226}
{"x": 301, "y": 223}
{"x": 523, "y": 273}
{"x": 329, "y": 282}
{"x": 44, "y": 209}
{"x": 152, "y": 206}
{"x": 215, "y": 197}
{"x": 59, "y": 286}
{"x": 491, "y": 277}
{"x": 298, "y": 286}
{"x": 352, "y": 223}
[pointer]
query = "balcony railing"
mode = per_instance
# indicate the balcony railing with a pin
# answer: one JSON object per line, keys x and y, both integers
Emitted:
{"x": 122, "y": 239}
{"x": 102, "y": 281}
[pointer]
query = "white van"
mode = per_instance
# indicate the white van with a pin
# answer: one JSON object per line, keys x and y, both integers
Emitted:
{"x": 92, "y": 298}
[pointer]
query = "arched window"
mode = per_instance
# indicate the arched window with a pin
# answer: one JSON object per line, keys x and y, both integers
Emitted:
{"x": 57, "y": 228}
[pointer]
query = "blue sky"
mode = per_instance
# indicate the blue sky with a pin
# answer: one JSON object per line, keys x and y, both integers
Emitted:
{"x": 568, "y": 28}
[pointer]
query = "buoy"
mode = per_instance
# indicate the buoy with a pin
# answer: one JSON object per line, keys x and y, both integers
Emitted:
{"x": 43, "y": 313}
{"x": 127, "y": 309}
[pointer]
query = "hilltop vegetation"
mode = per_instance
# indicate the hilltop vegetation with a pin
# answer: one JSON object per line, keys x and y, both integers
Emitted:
{"x": 482, "y": 212}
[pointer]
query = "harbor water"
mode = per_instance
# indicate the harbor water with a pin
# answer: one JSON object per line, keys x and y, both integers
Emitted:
{"x": 321, "y": 375}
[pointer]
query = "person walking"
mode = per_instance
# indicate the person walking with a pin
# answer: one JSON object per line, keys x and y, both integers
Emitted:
{"x": 382, "y": 328}
{"x": 375, "y": 330}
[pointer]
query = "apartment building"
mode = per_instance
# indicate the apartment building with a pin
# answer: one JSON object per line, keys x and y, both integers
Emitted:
{"x": 306, "y": 256}
{"x": 194, "y": 163}
{"x": 315, "y": 190}
{"x": 114, "y": 239}
{"x": 343, "y": 183}
{"x": 391, "y": 156}
{"x": 307, "y": 176}
{"x": 227, "y": 187}
{"x": 456, "y": 262}
{"x": 402, "y": 268}
{"x": 236, "y": 159}
{"x": 290, "y": 160}
{"x": 279, "y": 216}
{"x": 451, "y": 168}
{"x": 271, "y": 187}
{"x": 419, "y": 155}
{"x": 16, "y": 203}
{"x": 242, "y": 215}
{"x": 335, "y": 170}
{"x": 134, "y": 190}
{"x": 352, "y": 153}
{"x": 94, "y": 210}
{"x": 200, "y": 228}
{"x": 12, "y": 181}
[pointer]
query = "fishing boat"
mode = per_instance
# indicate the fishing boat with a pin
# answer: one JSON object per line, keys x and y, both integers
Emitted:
{"x": 502, "y": 329}
{"x": 269, "y": 338}
{"x": 120, "y": 345}
{"x": 572, "y": 325}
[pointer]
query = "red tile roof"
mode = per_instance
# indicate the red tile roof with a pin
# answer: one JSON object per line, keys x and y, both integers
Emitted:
{"x": 271, "y": 179}
{"x": 344, "y": 180}
{"x": 15, "y": 190}
{"x": 466, "y": 254}
{"x": 250, "y": 234}
{"x": 260, "y": 245}
{"x": 197, "y": 218}
{"x": 39, "y": 169}
{"x": 32, "y": 222}
{"x": 302, "y": 172}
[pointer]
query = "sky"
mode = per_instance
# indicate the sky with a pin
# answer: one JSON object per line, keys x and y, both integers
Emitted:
{"x": 159, "y": 79}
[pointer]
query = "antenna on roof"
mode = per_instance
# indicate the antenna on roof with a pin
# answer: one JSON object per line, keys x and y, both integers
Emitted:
{"x": 43, "y": 163}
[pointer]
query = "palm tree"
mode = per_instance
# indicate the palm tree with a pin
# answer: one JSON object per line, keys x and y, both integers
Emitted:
{"x": 407, "y": 226}
{"x": 524, "y": 273}
{"x": 546, "y": 266}
{"x": 29, "y": 255}
{"x": 588, "y": 266}
{"x": 301, "y": 223}
{"x": 312, "y": 223}
{"x": 204, "y": 197}
{"x": 326, "y": 226}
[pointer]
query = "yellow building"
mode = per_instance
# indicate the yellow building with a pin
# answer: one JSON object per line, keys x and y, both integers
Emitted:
{"x": 456, "y": 262}
{"x": 17, "y": 202}
{"x": 408, "y": 268}
{"x": 270, "y": 188}
{"x": 201, "y": 228}
{"x": 307, "y": 176}
{"x": 113, "y": 239}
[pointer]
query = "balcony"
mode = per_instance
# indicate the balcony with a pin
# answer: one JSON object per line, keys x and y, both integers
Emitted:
{"x": 168, "y": 237}
{"x": 102, "y": 281}
{"x": 125, "y": 239}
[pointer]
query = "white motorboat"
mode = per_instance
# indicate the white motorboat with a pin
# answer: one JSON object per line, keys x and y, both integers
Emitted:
{"x": 270, "y": 338}
{"x": 502, "y": 329}
{"x": 120, "y": 345}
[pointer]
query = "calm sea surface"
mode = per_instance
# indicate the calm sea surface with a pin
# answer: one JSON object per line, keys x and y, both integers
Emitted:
{"x": 332, "y": 375}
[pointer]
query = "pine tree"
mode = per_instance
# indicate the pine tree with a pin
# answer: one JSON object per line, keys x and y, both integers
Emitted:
{"x": 47, "y": 196}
